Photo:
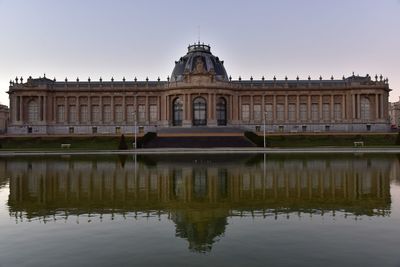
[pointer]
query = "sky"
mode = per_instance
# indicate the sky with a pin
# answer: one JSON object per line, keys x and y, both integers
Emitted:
{"x": 121, "y": 38}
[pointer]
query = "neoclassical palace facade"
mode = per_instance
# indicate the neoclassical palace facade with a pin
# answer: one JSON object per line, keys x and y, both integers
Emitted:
{"x": 199, "y": 93}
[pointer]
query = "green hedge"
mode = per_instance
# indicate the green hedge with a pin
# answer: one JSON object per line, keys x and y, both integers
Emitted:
{"x": 141, "y": 142}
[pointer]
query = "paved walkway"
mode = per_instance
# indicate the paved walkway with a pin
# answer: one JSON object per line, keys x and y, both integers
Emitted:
{"x": 316, "y": 150}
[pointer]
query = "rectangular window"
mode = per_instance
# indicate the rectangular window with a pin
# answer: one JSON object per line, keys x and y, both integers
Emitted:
{"x": 60, "y": 113}
{"x": 338, "y": 111}
{"x": 326, "y": 112}
{"x": 117, "y": 130}
{"x": 141, "y": 113}
{"x": 269, "y": 110}
{"x": 292, "y": 112}
{"x": 129, "y": 113}
{"x": 314, "y": 112}
{"x": 304, "y": 128}
{"x": 303, "y": 112}
{"x": 245, "y": 112}
{"x": 72, "y": 114}
{"x": 94, "y": 130}
{"x": 71, "y": 130}
{"x": 257, "y": 113}
{"x": 153, "y": 113}
{"x": 96, "y": 113}
{"x": 107, "y": 113}
{"x": 280, "y": 112}
{"x": 84, "y": 116}
{"x": 119, "y": 114}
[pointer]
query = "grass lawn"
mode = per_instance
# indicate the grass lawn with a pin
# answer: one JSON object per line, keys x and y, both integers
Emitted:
{"x": 54, "y": 143}
{"x": 325, "y": 140}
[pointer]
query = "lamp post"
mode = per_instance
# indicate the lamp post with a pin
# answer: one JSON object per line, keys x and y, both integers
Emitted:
{"x": 265, "y": 119}
{"x": 135, "y": 127}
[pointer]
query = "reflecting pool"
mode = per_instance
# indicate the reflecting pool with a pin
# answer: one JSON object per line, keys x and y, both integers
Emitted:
{"x": 197, "y": 210}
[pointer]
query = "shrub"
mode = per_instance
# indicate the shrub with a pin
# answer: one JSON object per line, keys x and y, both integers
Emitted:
{"x": 256, "y": 139}
{"x": 398, "y": 139}
{"x": 141, "y": 142}
{"x": 122, "y": 143}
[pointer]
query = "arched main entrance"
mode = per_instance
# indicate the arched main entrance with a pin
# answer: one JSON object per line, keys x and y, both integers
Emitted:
{"x": 221, "y": 111}
{"x": 177, "y": 112}
{"x": 199, "y": 112}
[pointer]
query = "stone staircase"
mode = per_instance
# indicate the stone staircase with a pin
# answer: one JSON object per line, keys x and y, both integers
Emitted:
{"x": 199, "y": 137}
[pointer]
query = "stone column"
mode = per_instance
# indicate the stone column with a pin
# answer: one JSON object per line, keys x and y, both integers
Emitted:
{"x": 186, "y": 110}
{"x": 212, "y": 121}
{"x": 40, "y": 108}
{"x": 354, "y": 105}
{"x": 89, "y": 110}
{"x": 45, "y": 109}
{"x": 381, "y": 115}
{"x": 66, "y": 110}
{"x": 167, "y": 108}
{"x": 124, "y": 109}
{"x": 309, "y": 117}
{"x": 147, "y": 109}
{"x": 240, "y": 109}
{"x": 263, "y": 108}
{"x": 332, "y": 108}
{"x": 159, "y": 110}
{"x": 376, "y": 107}
{"x": 21, "y": 109}
{"x": 78, "y": 110}
{"x": 112, "y": 109}
{"x": 54, "y": 109}
{"x": 286, "y": 119}
{"x": 344, "y": 116}
{"x": 251, "y": 108}
{"x": 358, "y": 107}
{"x": 298, "y": 108}
{"x": 101, "y": 109}
{"x": 274, "y": 107}
{"x": 320, "y": 108}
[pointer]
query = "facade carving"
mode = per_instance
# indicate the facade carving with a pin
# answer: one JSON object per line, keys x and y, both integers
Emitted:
{"x": 199, "y": 93}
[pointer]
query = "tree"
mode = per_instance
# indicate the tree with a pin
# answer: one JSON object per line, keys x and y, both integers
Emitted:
{"x": 122, "y": 143}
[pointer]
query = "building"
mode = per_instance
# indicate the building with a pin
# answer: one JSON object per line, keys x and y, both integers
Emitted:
{"x": 394, "y": 113}
{"x": 4, "y": 114}
{"x": 198, "y": 93}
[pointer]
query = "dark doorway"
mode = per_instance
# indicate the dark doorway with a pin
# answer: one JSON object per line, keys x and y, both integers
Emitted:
{"x": 199, "y": 112}
{"x": 177, "y": 112}
{"x": 221, "y": 111}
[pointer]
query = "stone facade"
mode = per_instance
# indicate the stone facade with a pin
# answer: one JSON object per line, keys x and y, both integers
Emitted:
{"x": 199, "y": 93}
{"x": 4, "y": 114}
{"x": 394, "y": 113}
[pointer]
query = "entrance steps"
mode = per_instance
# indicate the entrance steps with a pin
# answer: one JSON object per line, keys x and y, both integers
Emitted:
{"x": 199, "y": 137}
{"x": 199, "y": 142}
{"x": 200, "y": 131}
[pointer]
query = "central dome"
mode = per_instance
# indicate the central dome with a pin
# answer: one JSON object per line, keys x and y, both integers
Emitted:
{"x": 199, "y": 60}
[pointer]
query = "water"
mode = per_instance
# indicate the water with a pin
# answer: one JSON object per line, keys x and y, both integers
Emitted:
{"x": 197, "y": 210}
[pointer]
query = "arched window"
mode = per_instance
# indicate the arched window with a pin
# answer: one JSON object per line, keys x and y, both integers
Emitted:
{"x": 33, "y": 111}
{"x": 365, "y": 109}
{"x": 177, "y": 112}
{"x": 199, "y": 111}
{"x": 221, "y": 111}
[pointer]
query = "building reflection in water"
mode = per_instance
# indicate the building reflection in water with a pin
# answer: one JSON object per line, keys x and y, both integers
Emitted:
{"x": 199, "y": 193}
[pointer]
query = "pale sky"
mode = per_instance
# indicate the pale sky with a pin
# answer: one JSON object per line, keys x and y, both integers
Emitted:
{"x": 117, "y": 38}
